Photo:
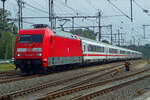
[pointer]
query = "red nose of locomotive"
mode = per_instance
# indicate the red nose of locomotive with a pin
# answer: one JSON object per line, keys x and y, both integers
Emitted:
{"x": 28, "y": 50}
{"x": 29, "y": 46}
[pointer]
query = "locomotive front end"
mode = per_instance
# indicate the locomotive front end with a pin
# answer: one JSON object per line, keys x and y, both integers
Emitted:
{"x": 28, "y": 51}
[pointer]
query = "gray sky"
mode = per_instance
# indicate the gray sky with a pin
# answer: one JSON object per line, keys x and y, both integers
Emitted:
{"x": 91, "y": 7}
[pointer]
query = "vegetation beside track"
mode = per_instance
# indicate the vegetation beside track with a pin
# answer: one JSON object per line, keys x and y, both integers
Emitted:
{"x": 6, "y": 67}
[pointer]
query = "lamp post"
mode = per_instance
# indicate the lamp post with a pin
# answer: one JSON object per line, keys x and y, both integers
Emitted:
{"x": 133, "y": 40}
{"x": 111, "y": 35}
{"x": 131, "y": 1}
{"x": 139, "y": 40}
{"x": 134, "y": 45}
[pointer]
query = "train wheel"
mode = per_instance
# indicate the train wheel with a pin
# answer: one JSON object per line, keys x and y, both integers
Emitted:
{"x": 44, "y": 71}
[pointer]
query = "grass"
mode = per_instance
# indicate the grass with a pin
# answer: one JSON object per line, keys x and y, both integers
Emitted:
{"x": 148, "y": 61}
{"x": 140, "y": 92}
{"x": 6, "y": 67}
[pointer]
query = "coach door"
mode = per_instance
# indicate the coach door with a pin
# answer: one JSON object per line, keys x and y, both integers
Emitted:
{"x": 84, "y": 51}
{"x": 83, "y": 47}
{"x": 107, "y": 53}
{"x": 52, "y": 53}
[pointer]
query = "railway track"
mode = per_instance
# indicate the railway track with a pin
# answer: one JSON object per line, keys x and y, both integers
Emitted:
{"x": 6, "y": 75}
{"x": 46, "y": 85}
{"x": 107, "y": 90}
{"x": 8, "y": 72}
{"x": 75, "y": 89}
{"x": 17, "y": 78}
{"x": 10, "y": 77}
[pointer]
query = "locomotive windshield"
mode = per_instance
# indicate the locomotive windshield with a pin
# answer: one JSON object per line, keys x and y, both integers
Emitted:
{"x": 33, "y": 38}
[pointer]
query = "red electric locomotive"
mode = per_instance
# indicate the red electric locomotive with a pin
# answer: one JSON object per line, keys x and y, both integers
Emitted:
{"x": 38, "y": 50}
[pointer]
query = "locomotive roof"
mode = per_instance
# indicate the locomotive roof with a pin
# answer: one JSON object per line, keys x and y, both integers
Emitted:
{"x": 32, "y": 30}
{"x": 64, "y": 34}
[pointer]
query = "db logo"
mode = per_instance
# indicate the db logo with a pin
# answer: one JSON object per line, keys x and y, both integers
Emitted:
{"x": 29, "y": 55}
{"x": 29, "y": 49}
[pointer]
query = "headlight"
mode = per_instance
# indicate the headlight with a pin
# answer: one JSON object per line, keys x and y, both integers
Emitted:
{"x": 19, "y": 54}
{"x": 45, "y": 60}
{"x": 39, "y": 54}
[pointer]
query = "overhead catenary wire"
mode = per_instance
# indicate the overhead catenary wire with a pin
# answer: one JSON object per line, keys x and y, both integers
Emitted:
{"x": 31, "y": 10}
{"x": 112, "y": 16}
{"x": 57, "y": 7}
{"x": 138, "y": 5}
{"x": 90, "y": 4}
{"x": 65, "y": 5}
{"x": 41, "y": 10}
{"x": 77, "y": 12}
{"x": 16, "y": 20}
{"x": 28, "y": 22}
{"x": 35, "y": 1}
{"x": 144, "y": 10}
{"x": 118, "y": 9}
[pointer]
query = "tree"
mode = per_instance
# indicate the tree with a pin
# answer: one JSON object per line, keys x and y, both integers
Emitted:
{"x": 147, "y": 45}
{"x": 144, "y": 49}
{"x": 7, "y": 24}
{"x": 84, "y": 33}
{"x": 7, "y": 38}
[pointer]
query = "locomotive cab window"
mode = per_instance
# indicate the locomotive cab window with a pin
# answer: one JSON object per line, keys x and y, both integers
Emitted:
{"x": 31, "y": 38}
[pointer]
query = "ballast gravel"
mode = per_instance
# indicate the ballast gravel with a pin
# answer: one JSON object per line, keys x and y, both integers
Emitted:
{"x": 28, "y": 83}
{"x": 134, "y": 91}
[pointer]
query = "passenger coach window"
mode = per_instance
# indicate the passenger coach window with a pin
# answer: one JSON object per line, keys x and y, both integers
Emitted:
{"x": 94, "y": 48}
{"x": 113, "y": 50}
{"x": 122, "y": 52}
{"x": 33, "y": 38}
